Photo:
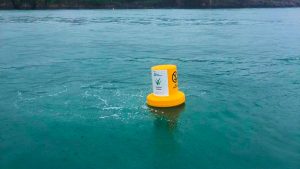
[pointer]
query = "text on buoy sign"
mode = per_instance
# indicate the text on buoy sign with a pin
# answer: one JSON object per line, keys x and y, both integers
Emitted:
{"x": 160, "y": 82}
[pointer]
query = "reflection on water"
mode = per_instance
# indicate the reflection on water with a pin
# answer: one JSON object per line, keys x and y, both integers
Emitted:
{"x": 166, "y": 116}
{"x": 166, "y": 144}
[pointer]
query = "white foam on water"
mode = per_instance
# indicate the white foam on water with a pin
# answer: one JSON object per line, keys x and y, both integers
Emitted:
{"x": 59, "y": 92}
{"x": 86, "y": 94}
{"x": 113, "y": 115}
{"x": 112, "y": 108}
{"x": 103, "y": 117}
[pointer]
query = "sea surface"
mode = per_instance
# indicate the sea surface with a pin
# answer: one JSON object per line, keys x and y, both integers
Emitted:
{"x": 73, "y": 86}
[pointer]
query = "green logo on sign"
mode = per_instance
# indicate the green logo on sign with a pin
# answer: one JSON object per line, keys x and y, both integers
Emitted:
{"x": 157, "y": 81}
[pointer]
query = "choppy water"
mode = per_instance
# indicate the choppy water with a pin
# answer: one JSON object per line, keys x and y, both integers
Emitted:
{"x": 73, "y": 85}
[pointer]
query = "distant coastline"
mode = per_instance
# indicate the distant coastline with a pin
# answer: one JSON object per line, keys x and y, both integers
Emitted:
{"x": 144, "y": 4}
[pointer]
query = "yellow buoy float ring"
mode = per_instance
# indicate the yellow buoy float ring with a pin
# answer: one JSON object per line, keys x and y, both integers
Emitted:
{"x": 165, "y": 87}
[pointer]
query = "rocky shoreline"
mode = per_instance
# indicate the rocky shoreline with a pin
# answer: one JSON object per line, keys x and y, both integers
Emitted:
{"x": 139, "y": 4}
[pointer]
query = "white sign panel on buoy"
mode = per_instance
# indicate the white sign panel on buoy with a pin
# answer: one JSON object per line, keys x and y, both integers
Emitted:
{"x": 160, "y": 82}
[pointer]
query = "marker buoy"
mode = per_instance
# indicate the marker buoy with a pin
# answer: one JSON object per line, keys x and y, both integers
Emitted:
{"x": 165, "y": 87}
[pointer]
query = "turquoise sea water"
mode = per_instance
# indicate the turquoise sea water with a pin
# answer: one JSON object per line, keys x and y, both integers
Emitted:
{"x": 73, "y": 85}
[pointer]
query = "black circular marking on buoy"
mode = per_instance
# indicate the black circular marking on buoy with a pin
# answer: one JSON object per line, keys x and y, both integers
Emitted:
{"x": 174, "y": 77}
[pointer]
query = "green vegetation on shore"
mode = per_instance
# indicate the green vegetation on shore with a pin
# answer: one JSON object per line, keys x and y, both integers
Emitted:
{"x": 56, "y": 4}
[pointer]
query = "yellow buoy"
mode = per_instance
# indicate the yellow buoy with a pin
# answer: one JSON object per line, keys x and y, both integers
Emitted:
{"x": 165, "y": 87}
